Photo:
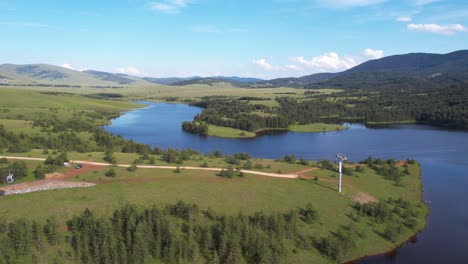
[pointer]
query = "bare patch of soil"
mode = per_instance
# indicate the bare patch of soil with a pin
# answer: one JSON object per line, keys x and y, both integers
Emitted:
{"x": 363, "y": 197}
{"x": 42, "y": 185}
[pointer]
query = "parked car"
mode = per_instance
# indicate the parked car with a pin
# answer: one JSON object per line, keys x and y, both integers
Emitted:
{"x": 79, "y": 166}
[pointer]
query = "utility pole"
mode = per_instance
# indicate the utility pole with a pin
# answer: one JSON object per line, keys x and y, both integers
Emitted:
{"x": 340, "y": 158}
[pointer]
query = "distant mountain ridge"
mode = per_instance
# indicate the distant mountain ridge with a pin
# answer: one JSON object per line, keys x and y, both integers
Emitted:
{"x": 413, "y": 69}
{"x": 44, "y": 75}
{"x": 416, "y": 63}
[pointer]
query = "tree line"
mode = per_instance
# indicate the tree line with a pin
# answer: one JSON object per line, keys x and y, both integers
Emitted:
{"x": 183, "y": 233}
{"x": 439, "y": 106}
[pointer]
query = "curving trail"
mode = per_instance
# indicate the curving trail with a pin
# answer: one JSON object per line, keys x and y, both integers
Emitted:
{"x": 268, "y": 174}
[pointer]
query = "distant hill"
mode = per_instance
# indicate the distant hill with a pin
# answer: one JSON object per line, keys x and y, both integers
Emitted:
{"x": 417, "y": 63}
{"x": 111, "y": 77}
{"x": 408, "y": 70}
{"x": 50, "y": 75}
{"x": 168, "y": 80}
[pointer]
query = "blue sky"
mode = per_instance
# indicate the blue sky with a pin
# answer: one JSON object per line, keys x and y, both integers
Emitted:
{"x": 266, "y": 39}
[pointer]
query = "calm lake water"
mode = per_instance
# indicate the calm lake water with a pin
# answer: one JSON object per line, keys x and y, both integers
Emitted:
{"x": 442, "y": 154}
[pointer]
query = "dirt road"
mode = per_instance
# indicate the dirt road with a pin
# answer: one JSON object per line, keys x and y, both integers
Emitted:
{"x": 57, "y": 182}
{"x": 290, "y": 176}
{"x": 268, "y": 174}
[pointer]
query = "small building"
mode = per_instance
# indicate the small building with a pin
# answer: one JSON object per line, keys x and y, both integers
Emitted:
{"x": 4, "y": 81}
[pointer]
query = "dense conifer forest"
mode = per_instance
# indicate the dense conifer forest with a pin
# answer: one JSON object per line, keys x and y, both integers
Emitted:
{"x": 439, "y": 107}
{"x": 183, "y": 233}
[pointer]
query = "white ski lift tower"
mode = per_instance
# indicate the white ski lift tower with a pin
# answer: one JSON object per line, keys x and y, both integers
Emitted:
{"x": 340, "y": 158}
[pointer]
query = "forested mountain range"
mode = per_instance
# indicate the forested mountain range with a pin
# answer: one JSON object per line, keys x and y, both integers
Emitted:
{"x": 415, "y": 70}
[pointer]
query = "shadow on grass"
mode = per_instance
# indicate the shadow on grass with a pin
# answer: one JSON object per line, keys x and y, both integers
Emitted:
{"x": 319, "y": 184}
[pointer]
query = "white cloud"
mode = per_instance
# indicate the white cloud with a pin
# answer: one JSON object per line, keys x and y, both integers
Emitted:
{"x": 130, "y": 71}
{"x": 348, "y": 3}
{"x": 71, "y": 67}
{"x": 438, "y": 29}
{"x": 326, "y": 62}
{"x": 404, "y": 19}
{"x": 263, "y": 64}
{"x": 169, "y": 6}
{"x": 373, "y": 54}
{"x": 67, "y": 66}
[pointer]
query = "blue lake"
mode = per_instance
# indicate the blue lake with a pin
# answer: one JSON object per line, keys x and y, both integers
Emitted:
{"x": 442, "y": 154}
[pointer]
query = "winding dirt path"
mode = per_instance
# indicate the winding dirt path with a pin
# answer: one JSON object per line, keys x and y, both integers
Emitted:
{"x": 101, "y": 164}
{"x": 305, "y": 171}
{"x": 57, "y": 181}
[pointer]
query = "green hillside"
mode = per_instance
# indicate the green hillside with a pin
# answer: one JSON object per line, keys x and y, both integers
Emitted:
{"x": 50, "y": 75}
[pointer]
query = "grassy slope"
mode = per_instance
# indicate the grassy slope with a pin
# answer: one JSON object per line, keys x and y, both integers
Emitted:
{"x": 227, "y": 132}
{"x": 70, "y": 77}
{"x": 17, "y": 105}
{"x": 17, "y": 98}
{"x": 249, "y": 194}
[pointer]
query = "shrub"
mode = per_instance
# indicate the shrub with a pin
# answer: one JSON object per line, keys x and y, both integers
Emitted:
{"x": 348, "y": 171}
{"x": 111, "y": 173}
{"x": 258, "y": 166}
{"x": 391, "y": 231}
{"x": 132, "y": 168}
{"x": 227, "y": 173}
{"x": 359, "y": 169}
{"x": 308, "y": 213}
{"x": 304, "y": 162}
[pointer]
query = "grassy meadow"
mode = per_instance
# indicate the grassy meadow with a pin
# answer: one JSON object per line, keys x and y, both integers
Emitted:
{"x": 317, "y": 127}
{"x": 248, "y": 194}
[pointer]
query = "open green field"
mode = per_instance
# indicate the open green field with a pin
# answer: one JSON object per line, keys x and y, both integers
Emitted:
{"x": 317, "y": 127}
{"x": 19, "y": 98}
{"x": 181, "y": 93}
{"x": 145, "y": 187}
{"x": 227, "y": 132}
{"x": 18, "y": 105}
{"x": 249, "y": 194}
